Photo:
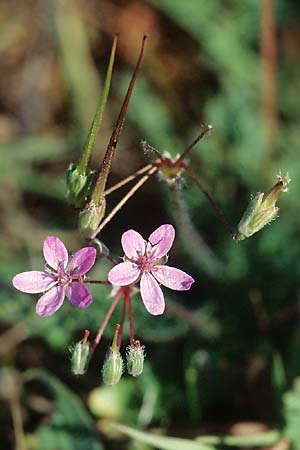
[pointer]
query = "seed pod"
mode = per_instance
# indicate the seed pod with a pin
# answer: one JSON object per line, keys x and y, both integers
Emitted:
{"x": 135, "y": 359}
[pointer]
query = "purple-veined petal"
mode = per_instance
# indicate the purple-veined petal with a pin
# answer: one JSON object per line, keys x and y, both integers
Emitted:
{"x": 152, "y": 295}
{"x": 34, "y": 281}
{"x": 123, "y": 274}
{"x": 82, "y": 261}
{"x": 79, "y": 295}
{"x": 55, "y": 252}
{"x": 173, "y": 278}
{"x": 133, "y": 244}
{"x": 161, "y": 240}
{"x": 51, "y": 301}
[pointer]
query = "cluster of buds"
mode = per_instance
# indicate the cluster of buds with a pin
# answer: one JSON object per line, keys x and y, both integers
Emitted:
{"x": 113, "y": 366}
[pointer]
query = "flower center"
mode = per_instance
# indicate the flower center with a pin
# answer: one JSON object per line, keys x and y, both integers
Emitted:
{"x": 62, "y": 276}
{"x": 145, "y": 263}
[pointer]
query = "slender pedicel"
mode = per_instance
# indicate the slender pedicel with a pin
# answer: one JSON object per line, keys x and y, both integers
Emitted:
{"x": 207, "y": 129}
{"x": 211, "y": 201}
{"x": 122, "y": 202}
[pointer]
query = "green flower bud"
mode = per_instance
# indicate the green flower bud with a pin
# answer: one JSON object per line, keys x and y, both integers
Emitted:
{"x": 78, "y": 185}
{"x": 262, "y": 211}
{"x": 112, "y": 368}
{"x": 113, "y": 365}
{"x": 135, "y": 359}
{"x": 80, "y": 355}
{"x": 90, "y": 218}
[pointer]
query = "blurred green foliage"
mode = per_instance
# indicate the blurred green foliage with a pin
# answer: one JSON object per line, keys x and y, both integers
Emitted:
{"x": 212, "y": 354}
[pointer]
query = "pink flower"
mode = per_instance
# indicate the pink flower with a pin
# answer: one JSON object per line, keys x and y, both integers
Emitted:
{"x": 60, "y": 279}
{"x": 144, "y": 261}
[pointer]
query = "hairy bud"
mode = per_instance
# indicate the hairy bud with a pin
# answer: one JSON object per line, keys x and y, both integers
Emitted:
{"x": 80, "y": 355}
{"x": 90, "y": 218}
{"x": 260, "y": 210}
{"x": 113, "y": 365}
{"x": 135, "y": 359}
{"x": 78, "y": 185}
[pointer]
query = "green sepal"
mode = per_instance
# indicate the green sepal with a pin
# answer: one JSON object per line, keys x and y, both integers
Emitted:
{"x": 78, "y": 185}
{"x": 90, "y": 218}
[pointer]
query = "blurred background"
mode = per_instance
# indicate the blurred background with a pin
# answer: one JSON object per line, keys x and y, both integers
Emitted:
{"x": 225, "y": 357}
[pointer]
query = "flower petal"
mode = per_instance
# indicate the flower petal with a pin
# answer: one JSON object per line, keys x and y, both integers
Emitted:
{"x": 161, "y": 240}
{"x": 79, "y": 295}
{"x": 82, "y": 261}
{"x": 152, "y": 295}
{"x": 133, "y": 244}
{"x": 55, "y": 252}
{"x": 172, "y": 278}
{"x": 34, "y": 281}
{"x": 51, "y": 301}
{"x": 123, "y": 274}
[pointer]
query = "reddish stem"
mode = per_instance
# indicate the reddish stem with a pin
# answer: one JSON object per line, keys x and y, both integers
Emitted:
{"x": 105, "y": 321}
{"x": 218, "y": 210}
{"x": 131, "y": 329}
{"x": 123, "y": 314}
{"x": 96, "y": 281}
{"x": 189, "y": 148}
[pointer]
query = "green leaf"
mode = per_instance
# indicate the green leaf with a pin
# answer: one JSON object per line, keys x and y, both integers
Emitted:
{"x": 70, "y": 427}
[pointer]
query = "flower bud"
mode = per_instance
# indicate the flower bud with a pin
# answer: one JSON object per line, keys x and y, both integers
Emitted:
{"x": 135, "y": 359}
{"x": 90, "y": 218}
{"x": 80, "y": 355}
{"x": 113, "y": 365}
{"x": 260, "y": 210}
{"x": 78, "y": 185}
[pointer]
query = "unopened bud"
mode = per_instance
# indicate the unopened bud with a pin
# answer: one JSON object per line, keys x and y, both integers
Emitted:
{"x": 113, "y": 365}
{"x": 90, "y": 218}
{"x": 78, "y": 185}
{"x": 80, "y": 355}
{"x": 262, "y": 211}
{"x": 135, "y": 359}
